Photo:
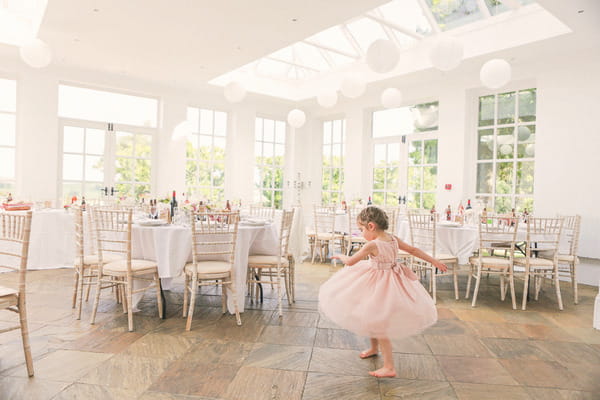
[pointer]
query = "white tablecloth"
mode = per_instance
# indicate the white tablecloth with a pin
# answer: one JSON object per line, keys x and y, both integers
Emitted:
{"x": 171, "y": 247}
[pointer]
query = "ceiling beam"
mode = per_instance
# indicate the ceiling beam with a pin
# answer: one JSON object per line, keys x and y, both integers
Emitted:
{"x": 352, "y": 40}
{"x": 328, "y": 48}
{"x": 293, "y": 64}
{"x": 394, "y": 26}
{"x": 429, "y": 15}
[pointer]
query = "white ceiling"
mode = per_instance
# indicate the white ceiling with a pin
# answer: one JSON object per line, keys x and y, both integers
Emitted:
{"x": 189, "y": 42}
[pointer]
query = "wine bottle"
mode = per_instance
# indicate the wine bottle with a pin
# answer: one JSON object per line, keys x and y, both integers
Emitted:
{"x": 448, "y": 213}
{"x": 469, "y": 204}
{"x": 173, "y": 204}
{"x": 369, "y": 202}
{"x": 82, "y": 203}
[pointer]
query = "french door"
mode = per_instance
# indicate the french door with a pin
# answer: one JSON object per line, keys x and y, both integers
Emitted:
{"x": 101, "y": 159}
{"x": 405, "y": 167}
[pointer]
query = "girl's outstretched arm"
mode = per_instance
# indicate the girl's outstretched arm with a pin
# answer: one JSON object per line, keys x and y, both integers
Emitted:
{"x": 420, "y": 254}
{"x": 366, "y": 250}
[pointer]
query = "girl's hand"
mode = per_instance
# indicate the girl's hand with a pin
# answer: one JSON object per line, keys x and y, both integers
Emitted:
{"x": 440, "y": 265}
{"x": 343, "y": 258}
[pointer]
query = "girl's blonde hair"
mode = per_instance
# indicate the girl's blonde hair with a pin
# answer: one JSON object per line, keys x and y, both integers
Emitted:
{"x": 375, "y": 215}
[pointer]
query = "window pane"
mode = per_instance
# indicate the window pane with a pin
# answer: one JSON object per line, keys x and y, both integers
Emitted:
{"x": 94, "y": 141}
{"x": 7, "y": 129}
{"x": 524, "y": 178}
{"x": 505, "y": 143}
{"x": 94, "y": 169}
{"x": 142, "y": 170}
{"x": 143, "y": 146}
{"x": 124, "y": 170}
{"x": 379, "y": 157}
{"x": 73, "y": 139}
{"x": 524, "y": 203}
{"x": 378, "y": 198}
{"x": 484, "y": 177}
{"x": 204, "y": 172}
{"x": 124, "y": 144}
{"x": 415, "y": 152}
{"x": 218, "y": 174}
{"x": 191, "y": 147}
{"x": 71, "y": 189}
{"x": 278, "y": 178}
{"x": 414, "y": 178}
{"x": 193, "y": 116}
{"x": 269, "y": 130}
{"x": 392, "y": 178}
{"x": 378, "y": 178}
{"x": 526, "y": 140}
{"x": 504, "y": 178}
{"x": 391, "y": 198}
{"x": 219, "y": 149}
{"x": 431, "y": 151}
{"x": 429, "y": 178}
{"x": 414, "y": 200}
{"x": 7, "y": 163}
{"x": 393, "y": 153}
{"x": 428, "y": 200}
{"x": 527, "y": 105}
{"x": 486, "y": 110}
{"x": 506, "y": 108}
{"x": 485, "y": 145}
{"x": 72, "y": 167}
{"x": 337, "y": 131}
{"x": 503, "y": 204}
{"x": 385, "y": 122}
{"x": 124, "y": 189}
{"x": 206, "y": 122}
{"x": 279, "y": 132}
{"x": 92, "y": 190}
{"x": 191, "y": 171}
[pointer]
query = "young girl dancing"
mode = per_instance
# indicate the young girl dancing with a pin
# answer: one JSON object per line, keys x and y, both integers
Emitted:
{"x": 379, "y": 297}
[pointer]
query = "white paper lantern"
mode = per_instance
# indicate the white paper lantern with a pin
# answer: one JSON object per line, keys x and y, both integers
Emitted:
{"x": 327, "y": 99}
{"x": 495, "y": 73}
{"x": 506, "y": 149}
{"x": 182, "y": 130}
{"x": 391, "y": 98}
{"x": 446, "y": 53}
{"x": 382, "y": 56}
{"x": 36, "y": 53}
{"x": 523, "y": 133}
{"x": 296, "y": 118}
{"x": 352, "y": 87}
{"x": 234, "y": 92}
{"x": 530, "y": 149}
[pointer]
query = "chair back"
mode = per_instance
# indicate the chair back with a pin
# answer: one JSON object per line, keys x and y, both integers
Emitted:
{"x": 422, "y": 226}
{"x": 79, "y": 237}
{"x": 352, "y": 216}
{"x": 325, "y": 221}
{"x": 392, "y": 214}
{"x": 214, "y": 235}
{"x": 543, "y": 234}
{"x": 495, "y": 234}
{"x": 113, "y": 233}
{"x": 571, "y": 230}
{"x": 287, "y": 218}
{"x": 15, "y": 230}
{"x": 262, "y": 212}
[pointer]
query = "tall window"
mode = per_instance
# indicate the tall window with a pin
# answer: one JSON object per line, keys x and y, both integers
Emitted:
{"x": 106, "y": 142}
{"x": 269, "y": 151}
{"x": 334, "y": 136}
{"x": 205, "y": 154}
{"x": 405, "y": 155}
{"x": 8, "y": 108}
{"x": 506, "y": 150}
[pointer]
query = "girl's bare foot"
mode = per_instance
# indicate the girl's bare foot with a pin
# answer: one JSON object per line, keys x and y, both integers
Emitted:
{"x": 368, "y": 353}
{"x": 383, "y": 373}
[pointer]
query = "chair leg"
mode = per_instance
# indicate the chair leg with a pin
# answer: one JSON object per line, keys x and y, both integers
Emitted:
{"x": 194, "y": 286}
{"x": 75, "y": 286}
{"x": 129, "y": 285}
{"x": 96, "y": 300}
{"x": 455, "y": 277}
{"x": 186, "y": 288}
{"x": 502, "y": 291}
{"x": 469, "y": 282}
{"x": 223, "y": 299}
{"x": 525, "y": 290}
{"x": 238, "y": 320}
{"x": 511, "y": 281}
{"x": 89, "y": 285}
{"x": 279, "y": 293}
{"x": 574, "y": 281}
{"x": 158, "y": 296}
{"x": 122, "y": 289}
{"x": 80, "y": 287}
{"x": 25, "y": 336}
{"x": 286, "y": 280}
{"x": 557, "y": 284}
{"x": 433, "y": 283}
{"x": 476, "y": 289}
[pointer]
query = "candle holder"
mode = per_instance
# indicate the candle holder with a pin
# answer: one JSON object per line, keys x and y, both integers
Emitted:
{"x": 299, "y": 185}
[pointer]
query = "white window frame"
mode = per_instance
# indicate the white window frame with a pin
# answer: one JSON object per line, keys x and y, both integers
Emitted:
{"x": 423, "y": 137}
{"x": 335, "y": 196}
{"x": 260, "y": 167}
{"x": 216, "y": 193}
{"x": 493, "y": 195}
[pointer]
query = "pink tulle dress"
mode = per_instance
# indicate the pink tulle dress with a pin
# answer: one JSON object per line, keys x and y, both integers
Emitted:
{"x": 378, "y": 298}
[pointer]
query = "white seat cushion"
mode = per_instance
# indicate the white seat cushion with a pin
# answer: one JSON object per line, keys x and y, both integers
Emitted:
{"x": 498, "y": 262}
{"x": 535, "y": 262}
{"x": 562, "y": 258}
{"x": 106, "y": 258}
{"x": 329, "y": 236}
{"x": 264, "y": 260}
{"x": 137, "y": 266}
{"x": 8, "y": 297}
{"x": 208, "y": 267}
{"x": 446, "y": 258}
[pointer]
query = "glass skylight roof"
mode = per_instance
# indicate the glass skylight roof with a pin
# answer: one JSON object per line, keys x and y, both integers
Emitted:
{"x": 404, "y": 22}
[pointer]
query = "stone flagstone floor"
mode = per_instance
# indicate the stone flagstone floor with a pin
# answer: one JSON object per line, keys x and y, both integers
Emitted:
{"x": 487, "y": 352}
